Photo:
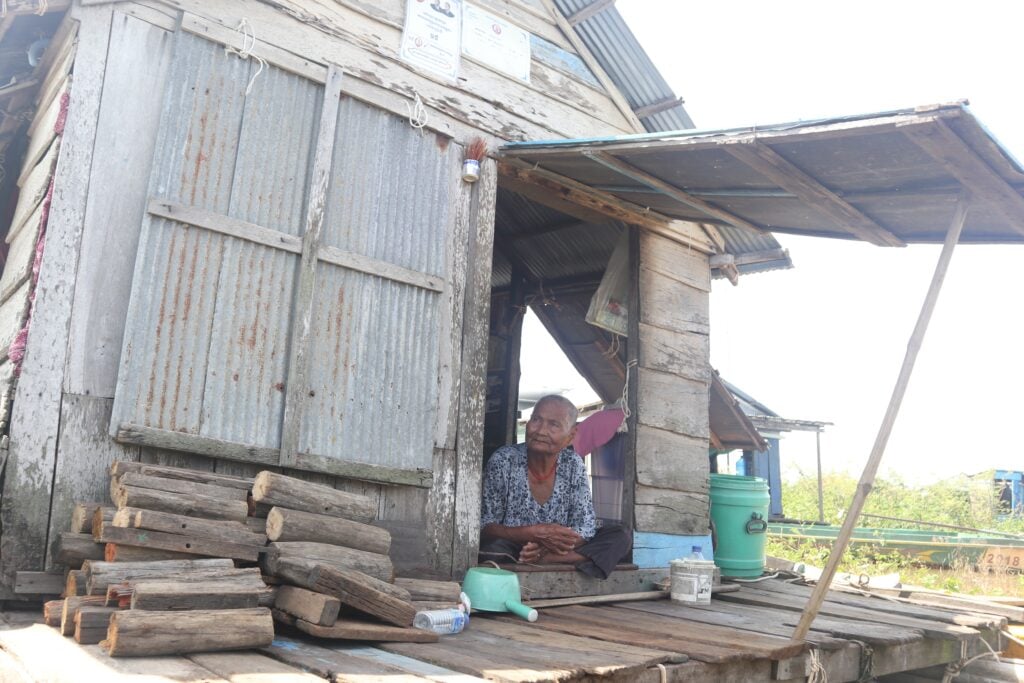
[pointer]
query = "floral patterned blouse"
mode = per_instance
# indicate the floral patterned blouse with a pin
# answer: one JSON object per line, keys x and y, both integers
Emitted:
{"x": 507, "y": 499}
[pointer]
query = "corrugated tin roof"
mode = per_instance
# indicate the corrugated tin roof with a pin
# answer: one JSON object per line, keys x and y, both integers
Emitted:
{"x": 622, "y": 57}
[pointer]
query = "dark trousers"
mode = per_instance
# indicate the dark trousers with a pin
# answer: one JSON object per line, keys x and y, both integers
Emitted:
{"x": 609, "y": 546}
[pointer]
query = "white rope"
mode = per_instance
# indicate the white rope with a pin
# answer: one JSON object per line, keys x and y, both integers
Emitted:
{"x": 248, "y": 45}
{"x": 762, "y": 578}
{"x": 418, "y": 116}
{"x": 43, "y": 7}
{"x": 953, "y": 669}
{"x": 664, "y": 672}
{"x": 625, "y": 395}
{"x": 3, "y": 8}
{"x": 818, "y": 674}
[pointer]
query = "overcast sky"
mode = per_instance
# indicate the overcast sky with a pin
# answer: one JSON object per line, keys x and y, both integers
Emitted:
{"x": 824, "y": 341}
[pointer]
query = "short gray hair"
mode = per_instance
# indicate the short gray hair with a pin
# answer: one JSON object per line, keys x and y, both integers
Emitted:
{"x": 574, "y": 413}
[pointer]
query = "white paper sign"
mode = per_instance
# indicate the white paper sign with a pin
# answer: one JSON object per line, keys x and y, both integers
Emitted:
{"x": 432, "y": 35}
{"x": 496, "y": 43}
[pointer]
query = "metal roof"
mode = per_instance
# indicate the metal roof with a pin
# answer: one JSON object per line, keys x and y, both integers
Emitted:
{"x": 620, "y": 54}
{"x": 889, "y": 178}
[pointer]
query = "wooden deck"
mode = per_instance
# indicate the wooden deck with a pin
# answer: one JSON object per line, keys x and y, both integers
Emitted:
{"x": 741, "y": 636}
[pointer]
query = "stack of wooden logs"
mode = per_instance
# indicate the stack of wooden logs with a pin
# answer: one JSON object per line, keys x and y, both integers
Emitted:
{"x": 330, "y": 558}
{"x": 171, "y": 567}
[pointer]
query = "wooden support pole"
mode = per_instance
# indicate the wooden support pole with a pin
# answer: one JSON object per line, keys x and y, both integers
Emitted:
{"x": 821, "y": 488}
{"x": 867, "y": 479}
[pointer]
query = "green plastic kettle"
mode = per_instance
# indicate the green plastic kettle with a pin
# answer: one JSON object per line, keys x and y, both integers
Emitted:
{"x": 496, "y": 590}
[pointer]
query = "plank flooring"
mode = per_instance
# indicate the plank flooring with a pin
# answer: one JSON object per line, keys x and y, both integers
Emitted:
{"x": 743, "y": 635}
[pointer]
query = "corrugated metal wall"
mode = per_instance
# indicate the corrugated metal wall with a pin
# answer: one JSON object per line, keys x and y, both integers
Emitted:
{"x": 209, "y": 326}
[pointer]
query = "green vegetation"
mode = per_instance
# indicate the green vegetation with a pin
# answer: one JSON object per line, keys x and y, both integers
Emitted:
{"x": 963, "y": 501}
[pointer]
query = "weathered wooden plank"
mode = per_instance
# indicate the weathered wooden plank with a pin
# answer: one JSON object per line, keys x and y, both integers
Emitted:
{"x": 339, "y": 557}
{"x": 33, "y": 190}
{"x": 673, "y": 403}
{"x": 345, "y": 665}
{"x": 546, "y": 584}
{"x": 278, "y": 489}
{"x": 295, "y": 525}
{"x": 22, "y": 253}
{"x": 221, "y": 530}
{"x": 224, "y": 225}
{"x": 351, "y": 587}
{"x": 138, "y": 632}
{"x": 364, "y": 471}
{"x": 39, "y": 583}
{"x": 426, "y": 589}
{"x": 684, "y": 354}
{"x": 671, "y": 512}
{"x": 472, "y": 400}
{"x": 670, "y": 304}
{"x": 43, "y": 130}
{"x": 251, "y": 667}
{"x": 508, "y": 651}
{"x": 24, "y": 508}
{"x": 128, "y": 118}
{"x": 195, "y": 444}
{"x": 315, "y": 608}
{"x": 201, "y": 476}
{"x": 102, "y": 574}
{"x": 117, "y": 552}
{"x": 354, "y": 629}
{"x": 195, "y": 545}
{"x": 84, "y": 453}
{"x": 181, "y": 504}
{"x": 669, "y": 460}
{"x": 146, "y": 481}
{"x": 193, "y": 595}
{"x": 12, "y": 316}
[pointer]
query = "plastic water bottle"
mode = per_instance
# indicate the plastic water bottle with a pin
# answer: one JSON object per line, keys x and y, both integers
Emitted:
{"x": 695, "y": 553}
{"x": 442, "y": 621}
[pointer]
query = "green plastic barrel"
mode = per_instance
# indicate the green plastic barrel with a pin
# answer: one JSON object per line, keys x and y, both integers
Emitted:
{"x": 739, "y": 506}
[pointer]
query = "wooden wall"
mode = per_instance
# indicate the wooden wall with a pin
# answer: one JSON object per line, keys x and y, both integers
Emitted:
{"x": 60, "y": 450}
{"x": 672, "y": 466}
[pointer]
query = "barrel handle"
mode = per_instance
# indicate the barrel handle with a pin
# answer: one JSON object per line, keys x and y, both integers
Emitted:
{"x": 756, "y": 525}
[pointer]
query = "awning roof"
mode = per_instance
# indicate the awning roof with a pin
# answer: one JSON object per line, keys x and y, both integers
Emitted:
{"x": 891, "y": 178}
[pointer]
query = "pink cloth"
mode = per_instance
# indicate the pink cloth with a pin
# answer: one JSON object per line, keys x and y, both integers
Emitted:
{"x": 597, "y": 430}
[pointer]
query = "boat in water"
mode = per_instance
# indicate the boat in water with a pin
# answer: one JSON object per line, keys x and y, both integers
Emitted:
{"x": 933, "y": 548}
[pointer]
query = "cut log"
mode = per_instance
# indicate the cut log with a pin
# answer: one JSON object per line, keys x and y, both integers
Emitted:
{"x": 141, "y": 633}
{"x": 102, "y": 574}
{"x": 431, "y": 591}
{"x": 101, "y": 516}
{"x": 428, "y": 605}
{"x": 71, "y": 607}
{"x": 351, "y": 587}
{"x": 74, "y": 549}
{"x": 91, "y": 624}
{"x": 176, "y": 595}
{"x": 217, "y": 529}
{"x": 123, "y": 467}
{"x": 74, "y": 583}
{"x": 277, "y": 489}
{"x": 358, "y": 629}
{"x": 316, "y": 608}
{"x": 181, "y": 504}
{"x": 81, "y": 517}
{"x": 257, "y": 525}
{"x": 376, "y": 565}
{"x": 295, "y": 525}
{"x": 52, "y": 610}
{"x": 114, "y": 552}
{"x": 146, "y": 481}
{"x": 183, "y": 544}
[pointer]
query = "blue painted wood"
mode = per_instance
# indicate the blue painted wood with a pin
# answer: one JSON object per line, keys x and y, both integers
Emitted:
{"x": 652, "y": 550}
{"x": 549, "y": 54}
{"x": 767, "y": 465}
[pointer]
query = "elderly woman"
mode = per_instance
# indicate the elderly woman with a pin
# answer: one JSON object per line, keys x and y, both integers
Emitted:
{"x": 537, "y": 506}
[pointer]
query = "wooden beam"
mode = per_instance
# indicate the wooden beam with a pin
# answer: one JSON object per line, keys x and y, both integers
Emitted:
{"x": 671, "y": 191}
{"x": 593, "y": 9}
{"x": 302, "y": 321}
{"x": 940, "y": 142}
{"x": 588, "y": 58}
{"x": 658, "y": 107}
{"x": 789, "y": 177}
{"x": 867, "y": 479}
{"x": 552, "y": 189}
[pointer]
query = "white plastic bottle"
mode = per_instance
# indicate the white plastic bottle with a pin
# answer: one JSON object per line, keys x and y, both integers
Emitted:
{"x": 442, "y": 621}
{"x": 695, "y": 553}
